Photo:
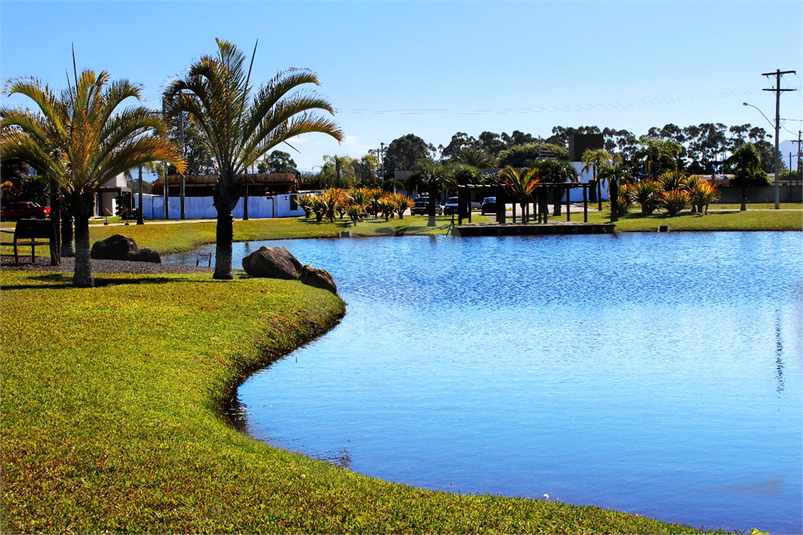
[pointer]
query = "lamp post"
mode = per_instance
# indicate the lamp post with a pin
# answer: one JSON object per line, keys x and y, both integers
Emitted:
{"x": 777, "y": 162}
{"x": 380, "y": 154}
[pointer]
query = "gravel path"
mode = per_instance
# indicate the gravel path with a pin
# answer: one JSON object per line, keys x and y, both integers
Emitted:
{"x": 99, "y": 266}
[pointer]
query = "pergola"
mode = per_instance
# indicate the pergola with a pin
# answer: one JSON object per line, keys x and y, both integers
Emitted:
{"x": 502, "y": 194}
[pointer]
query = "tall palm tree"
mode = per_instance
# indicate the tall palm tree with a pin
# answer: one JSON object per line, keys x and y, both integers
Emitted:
{"x": 240, "y": 128}
{"x": 82, "y": 139}
{"x": 521, "y": 184}
{"x": 594, "y": 159}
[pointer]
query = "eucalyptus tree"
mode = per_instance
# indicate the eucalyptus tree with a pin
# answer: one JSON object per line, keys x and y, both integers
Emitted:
{"x": 82, "y": 138}
{"x": 239, "y": 127}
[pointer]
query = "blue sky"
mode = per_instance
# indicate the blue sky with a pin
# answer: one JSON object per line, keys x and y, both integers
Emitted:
{"x": 436, "y": 68}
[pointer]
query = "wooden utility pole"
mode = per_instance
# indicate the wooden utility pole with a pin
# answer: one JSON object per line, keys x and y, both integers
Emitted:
{"x": 777, "y": 90}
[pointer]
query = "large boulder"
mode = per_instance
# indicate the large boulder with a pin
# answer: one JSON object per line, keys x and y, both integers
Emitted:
{"x": 119, "y": 247}
{"x": 319, "y": 278}
{"x": 272, "y": 262}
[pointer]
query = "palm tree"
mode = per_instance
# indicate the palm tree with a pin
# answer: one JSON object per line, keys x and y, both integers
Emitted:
{"x": 82, "y": 139}
{"x": 615, "y": 175}
{"x": 659, "y": 154}
{"x": 557, "y": 172}
{"x": 240, "y": 128}
{"x": 521, "y": 184}
{"x": 433, "y": 177}
{"x": 594, "y": 159}
{"x": 746, "y": 160}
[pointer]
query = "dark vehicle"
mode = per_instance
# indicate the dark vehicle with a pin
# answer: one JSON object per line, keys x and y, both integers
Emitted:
{"x": 421, "y": 207}
{"x": 489, "y": 205}
{"x": 450, "y": 208}
{"x": 24, "y": 210}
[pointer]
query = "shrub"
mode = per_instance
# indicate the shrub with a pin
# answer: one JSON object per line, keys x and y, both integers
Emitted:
{"x": 674, "y": 201}
{"x": 646, "y": 194}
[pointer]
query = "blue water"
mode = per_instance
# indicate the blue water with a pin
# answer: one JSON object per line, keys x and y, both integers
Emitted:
{"x": 651, "y": 373}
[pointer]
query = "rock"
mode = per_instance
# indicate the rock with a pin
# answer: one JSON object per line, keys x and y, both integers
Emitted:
{"x": 272, "y": 262}
{"x": 319, "y": 278}
{"x": 145, "y": 255}
{"x": 119, "y": 247}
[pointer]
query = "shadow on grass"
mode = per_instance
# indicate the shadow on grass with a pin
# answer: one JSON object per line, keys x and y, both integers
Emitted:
{"x": 57, "y": 281}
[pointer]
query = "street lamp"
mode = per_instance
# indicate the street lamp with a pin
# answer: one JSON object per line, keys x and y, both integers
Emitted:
{"x": 380, "y": 153}
{"x": 777, "y": 162}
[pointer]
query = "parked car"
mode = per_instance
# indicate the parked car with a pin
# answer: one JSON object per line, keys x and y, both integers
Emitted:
{"x": 421, "y": 206}
{"x": 24, "y": 210}
{"x": 451, "y": 206}
{"x": 489, "y": 205}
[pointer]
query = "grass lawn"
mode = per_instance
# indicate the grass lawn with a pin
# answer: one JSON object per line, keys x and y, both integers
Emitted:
{"x": 110, "y": 405}
{"x": 176, "y": 237}
{"x": 716, "y": 220}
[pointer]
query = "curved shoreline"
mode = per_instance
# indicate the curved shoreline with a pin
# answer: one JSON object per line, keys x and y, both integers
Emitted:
{"x": 166, "y": 465}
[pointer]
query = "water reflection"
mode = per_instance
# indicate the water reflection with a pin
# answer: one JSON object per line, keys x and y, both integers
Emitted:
{"x": 778, "y": 352}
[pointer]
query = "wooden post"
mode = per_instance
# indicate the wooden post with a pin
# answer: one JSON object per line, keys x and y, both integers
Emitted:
{"x": 568, "y": 204}
{"x": 585, "y": 203}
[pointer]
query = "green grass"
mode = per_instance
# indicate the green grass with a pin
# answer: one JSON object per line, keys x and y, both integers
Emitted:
{"x": 716, "y": 220}
{"x": 110, "y": 405}
{"x": 176, "y": 237}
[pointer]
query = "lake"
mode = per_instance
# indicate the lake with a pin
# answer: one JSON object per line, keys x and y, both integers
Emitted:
{"x": 658, "y": 374}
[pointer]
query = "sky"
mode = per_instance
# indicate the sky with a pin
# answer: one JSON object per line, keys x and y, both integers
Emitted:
{"x": 435, "y": 68}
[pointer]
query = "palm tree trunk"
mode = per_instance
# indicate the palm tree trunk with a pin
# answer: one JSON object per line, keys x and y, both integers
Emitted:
{"x": 82, "y": 275}
{"x": 614, "y": 194}
{"x": 55, "y": 219}
{"x": 67, "y": 236}
{"x": 224, "y": 237}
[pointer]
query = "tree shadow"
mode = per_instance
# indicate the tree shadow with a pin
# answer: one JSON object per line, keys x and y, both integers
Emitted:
{"x": 60, "y": 281}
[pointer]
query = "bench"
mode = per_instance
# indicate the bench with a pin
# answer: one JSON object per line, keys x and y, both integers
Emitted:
{"x": 28, "y": 233}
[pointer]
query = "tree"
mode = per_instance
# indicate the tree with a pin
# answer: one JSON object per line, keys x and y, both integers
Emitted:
{"x": 403, "y": 153}
{"x": 594, "y": 159}
{"x": 278, "y": 162}
{"x": 82, "y": 139}
{"x": 460, "y": 141}
{"x": 553, "y": 171}
{"x": 473, "y": 156}
{"x": 433, "y": 177}
{"x": 240, "y": 128}
{"x": 521, "y": 184}
{"x": 338, "y": 171}
{"x": 616, "y": 175}
{"x": 365, "y": 170}
{"x": 746, "y": 164}
{"x": 659, "y": 155}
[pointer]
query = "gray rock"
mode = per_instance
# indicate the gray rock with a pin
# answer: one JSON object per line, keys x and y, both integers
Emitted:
{"x": 272, "y": 262}
{"x": 119, "y": 247}
{"x": 319, "y": 278}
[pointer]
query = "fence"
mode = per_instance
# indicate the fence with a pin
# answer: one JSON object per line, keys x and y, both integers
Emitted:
{"x": 203, "y": 207}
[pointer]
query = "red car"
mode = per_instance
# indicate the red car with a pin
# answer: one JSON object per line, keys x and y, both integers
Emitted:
{"x": 23, "y": 210}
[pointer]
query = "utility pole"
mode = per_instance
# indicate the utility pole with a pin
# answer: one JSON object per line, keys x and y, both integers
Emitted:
{"x": 799, "y": 153}
{"x": 777, "y": 90}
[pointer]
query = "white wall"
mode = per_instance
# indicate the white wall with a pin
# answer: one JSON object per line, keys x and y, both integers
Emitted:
{"x": 202, "y": 207}
{"x": 585, "y": 178}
